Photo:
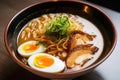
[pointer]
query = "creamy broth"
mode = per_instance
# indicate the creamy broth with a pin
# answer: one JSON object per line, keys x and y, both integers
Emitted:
{"x": 37, "y": 27}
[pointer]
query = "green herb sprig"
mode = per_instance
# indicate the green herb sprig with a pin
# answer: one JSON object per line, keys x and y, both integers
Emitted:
{"x": 58, "y": 27}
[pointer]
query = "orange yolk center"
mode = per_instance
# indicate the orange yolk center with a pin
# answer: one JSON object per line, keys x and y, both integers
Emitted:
{"x": 43, "y": 61}
{"x": 30, "y": 47}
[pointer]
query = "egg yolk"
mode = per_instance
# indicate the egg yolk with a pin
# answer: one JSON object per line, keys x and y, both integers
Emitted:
{"x": 43, "y": 61}
{"x": 30, "y": 47}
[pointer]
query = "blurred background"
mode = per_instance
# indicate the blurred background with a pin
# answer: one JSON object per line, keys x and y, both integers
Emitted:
{"x": 111, "y": 4}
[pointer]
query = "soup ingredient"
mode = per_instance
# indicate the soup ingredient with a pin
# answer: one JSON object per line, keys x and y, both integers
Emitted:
{"x": 58, "y": 27}
{"x": 45, "y": 62}
{"x": 80, "y": 54}
{"x": 78, "y": 37}
{"x": 58, "y": 49}
{"x": 75, "y": 25}
{"x": 30, "y": 47}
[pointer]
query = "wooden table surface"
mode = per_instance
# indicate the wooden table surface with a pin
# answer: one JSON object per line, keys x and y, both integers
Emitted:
{"x": 9, "y": 70}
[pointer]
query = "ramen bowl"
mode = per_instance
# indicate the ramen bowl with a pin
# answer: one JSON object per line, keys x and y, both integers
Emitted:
{"x": 86, "y": 11}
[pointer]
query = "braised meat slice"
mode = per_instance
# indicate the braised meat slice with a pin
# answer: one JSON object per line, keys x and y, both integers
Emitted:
{"x": 79, "y": 37}
{"x": 80, "y": 54}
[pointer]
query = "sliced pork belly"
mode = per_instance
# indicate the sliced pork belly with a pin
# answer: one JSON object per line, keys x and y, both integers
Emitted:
{"x": 80, "y": 54}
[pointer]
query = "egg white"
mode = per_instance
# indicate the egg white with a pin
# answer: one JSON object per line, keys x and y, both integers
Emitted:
{"x": 57, "y": 66}
{"x": 24, "y": 54}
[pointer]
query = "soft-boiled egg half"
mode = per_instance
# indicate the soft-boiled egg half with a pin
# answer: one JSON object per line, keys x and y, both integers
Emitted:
{"x": 26, "y": 49}
{"x": 46, "y": 63}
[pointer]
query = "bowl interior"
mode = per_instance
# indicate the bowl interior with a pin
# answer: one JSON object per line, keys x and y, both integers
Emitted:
{"x": 92, "y": 14}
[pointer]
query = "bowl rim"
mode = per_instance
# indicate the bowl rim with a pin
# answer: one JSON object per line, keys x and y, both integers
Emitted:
{"x": 14, "y": 58}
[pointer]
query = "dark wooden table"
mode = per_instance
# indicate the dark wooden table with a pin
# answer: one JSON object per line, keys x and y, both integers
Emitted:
{"x": 9, "y": 70}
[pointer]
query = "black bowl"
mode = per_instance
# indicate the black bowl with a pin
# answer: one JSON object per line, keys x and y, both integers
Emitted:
{"x": 92, "y": 13}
